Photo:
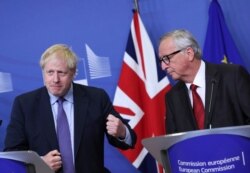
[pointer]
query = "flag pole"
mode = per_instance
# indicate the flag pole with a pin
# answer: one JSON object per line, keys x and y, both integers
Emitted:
{"x": 136, "y": 7}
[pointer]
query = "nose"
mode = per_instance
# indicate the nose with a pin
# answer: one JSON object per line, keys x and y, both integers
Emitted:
{"x": 56, "y": 77}
{"x": 164, "y": 66}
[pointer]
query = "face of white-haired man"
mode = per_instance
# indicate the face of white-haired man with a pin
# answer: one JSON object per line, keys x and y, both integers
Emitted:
{"x": 175, "y": 62}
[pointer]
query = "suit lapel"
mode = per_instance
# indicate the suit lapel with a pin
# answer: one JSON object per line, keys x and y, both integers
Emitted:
{"x": 185, "y": 101}
{"x": 80, "y": 114}
{"x": 47, "y": 120}
{"x": 212, "y": 83}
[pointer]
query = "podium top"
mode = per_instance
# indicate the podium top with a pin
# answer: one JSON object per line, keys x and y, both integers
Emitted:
{"x": 30, "y": 157}
{"x": 155, "y": 145}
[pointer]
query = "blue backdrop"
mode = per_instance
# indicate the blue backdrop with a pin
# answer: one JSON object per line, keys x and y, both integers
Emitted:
{"x": 28, "y": 27}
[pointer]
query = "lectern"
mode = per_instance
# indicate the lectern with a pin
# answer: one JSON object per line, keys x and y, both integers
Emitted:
{"x": 220, "y": 150}
{"x": 19, "y": 159}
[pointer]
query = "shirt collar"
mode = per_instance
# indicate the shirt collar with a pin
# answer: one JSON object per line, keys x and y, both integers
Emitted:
{"x": 68, "y": 96}
{"x": 199, "y": 78}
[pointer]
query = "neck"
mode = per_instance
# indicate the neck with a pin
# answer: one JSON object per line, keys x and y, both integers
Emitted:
{"x": 193, "y": 71}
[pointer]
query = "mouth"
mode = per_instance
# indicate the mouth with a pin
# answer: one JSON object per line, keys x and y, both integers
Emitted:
{"x": 169, "y": 71}
{"x": 56, "y": 87}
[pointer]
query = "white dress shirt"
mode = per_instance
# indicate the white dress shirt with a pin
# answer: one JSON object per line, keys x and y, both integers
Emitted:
{"x": 200, "y": 81}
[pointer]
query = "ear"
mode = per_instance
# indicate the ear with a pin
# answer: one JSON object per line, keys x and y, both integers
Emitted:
{"x": 190, "y": 53}
{"x": 74, "y": 72}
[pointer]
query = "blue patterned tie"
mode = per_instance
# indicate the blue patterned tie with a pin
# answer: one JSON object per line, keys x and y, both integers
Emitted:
{"x": 63, "y": 135}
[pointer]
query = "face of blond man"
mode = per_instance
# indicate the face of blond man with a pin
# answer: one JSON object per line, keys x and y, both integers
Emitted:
{"x": 57, "y": 76}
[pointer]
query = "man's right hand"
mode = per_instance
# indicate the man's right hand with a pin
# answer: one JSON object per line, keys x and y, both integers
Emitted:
{"x": 53, "y": 160}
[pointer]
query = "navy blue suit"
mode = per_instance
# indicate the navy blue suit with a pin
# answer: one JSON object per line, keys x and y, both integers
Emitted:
{"x": 32, "y": 126}
{"x": 229, "y": 87}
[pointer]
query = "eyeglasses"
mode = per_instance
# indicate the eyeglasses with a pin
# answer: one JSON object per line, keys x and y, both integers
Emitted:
{"x": 166, "y": 58}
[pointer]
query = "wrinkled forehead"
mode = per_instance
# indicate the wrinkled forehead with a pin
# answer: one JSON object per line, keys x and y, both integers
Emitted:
{"x": 166, "y": 46}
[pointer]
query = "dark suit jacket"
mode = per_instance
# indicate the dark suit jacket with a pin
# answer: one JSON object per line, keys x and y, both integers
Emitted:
{"x": 227, "y": 101}
{"x": 32, "y": 126}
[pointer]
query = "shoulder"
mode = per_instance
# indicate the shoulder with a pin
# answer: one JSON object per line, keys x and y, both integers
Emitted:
{"x": 227, "y": 74}
{"x": 230, "y": 68}
{"x": 225, "y": 70}
{"x": 32, "y": 97}
{"x": 176, "y": 89}
{"x": 88, "y": 90}
{"x": 32, "y": 94}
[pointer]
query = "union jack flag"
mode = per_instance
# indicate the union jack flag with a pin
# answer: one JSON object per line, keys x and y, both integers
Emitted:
{"x": 139, "y": 96}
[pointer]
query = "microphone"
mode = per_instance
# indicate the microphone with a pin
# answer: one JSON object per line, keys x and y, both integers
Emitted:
{"x": 213, "y": 81}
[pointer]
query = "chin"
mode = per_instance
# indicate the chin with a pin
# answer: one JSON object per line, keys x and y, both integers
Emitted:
{"x": 56, "y": 93}
{"x": 174, "y": 77}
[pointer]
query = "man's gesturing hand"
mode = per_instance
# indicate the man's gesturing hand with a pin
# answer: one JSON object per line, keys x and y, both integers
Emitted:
{"x": 115, "y": 127}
